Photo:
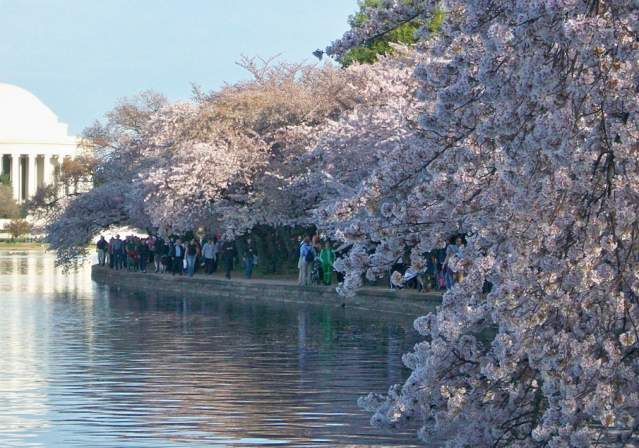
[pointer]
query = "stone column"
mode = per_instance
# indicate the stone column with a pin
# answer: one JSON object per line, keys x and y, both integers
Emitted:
{"x": 61, "y": 187}
{"x": 48, "y": 171}
{"x": 32, "y": 176}
{"x": 15, "y": 176}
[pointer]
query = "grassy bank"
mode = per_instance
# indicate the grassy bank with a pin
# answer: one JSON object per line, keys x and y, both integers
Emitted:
{"x": 22, "y": 245}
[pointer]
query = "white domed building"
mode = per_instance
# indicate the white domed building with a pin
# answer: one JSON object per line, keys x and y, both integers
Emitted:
{"x": 33, "y": 142}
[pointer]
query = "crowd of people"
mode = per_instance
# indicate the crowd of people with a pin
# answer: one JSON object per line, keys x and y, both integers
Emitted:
{"x": 315, "y": 263}
{"x": 437, "y": 275}
{"x": 173, "y": 256}
{"x": 316, "y": 259}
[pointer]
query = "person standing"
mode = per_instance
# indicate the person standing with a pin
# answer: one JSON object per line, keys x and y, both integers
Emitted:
{"x": 131, "y": 254}
{"x": 316, "y": 268}
{"x": 170, "y": 255}
{"x": 209, "y": 252}
{"x": 192, "y": 252}
{"x": 150, "y": 244}
{"x": 228, "y": 256}
{"x": 305, "y": 264}
{"x": 249, "y": 263}
{"x": 110, "y": 250}
{"x": 459, "y": 252}
{"x": 118, "y": 251}
{"x": 453, "y": 250}
{"x": 327, "y": 258}
{"x": 164, "y": 249}
{"x": 143, "y": 255}
{"x": 159, "y": 251}
{"x": 102, "y": 247}
{"x": 177, "y": 258}
{"x": 218, "y": 252}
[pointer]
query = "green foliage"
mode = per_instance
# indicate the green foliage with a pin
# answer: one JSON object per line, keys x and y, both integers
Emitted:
{"x": 401, "y": 34}
{"x": 5, "y": 179}
{"x": 367, "y": 54}
{"x": 436, "y": 21}
{"x": 277, "y": 248}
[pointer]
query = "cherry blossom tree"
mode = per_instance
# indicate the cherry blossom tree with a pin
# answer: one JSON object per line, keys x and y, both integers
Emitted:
{"x": 528, "y": 146}
{"x": 113, "y": 158}
{"x": 220, "y": 158}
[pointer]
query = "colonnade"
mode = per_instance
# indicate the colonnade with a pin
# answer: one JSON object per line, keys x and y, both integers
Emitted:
{"x": 28, "y": 172}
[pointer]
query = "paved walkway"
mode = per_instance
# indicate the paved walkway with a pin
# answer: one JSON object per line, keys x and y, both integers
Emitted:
{"x": 237, "y": 277}
{"x": 386, "y": 303}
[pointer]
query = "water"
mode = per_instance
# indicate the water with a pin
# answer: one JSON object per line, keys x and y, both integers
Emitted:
{"x": 85, "y": 365}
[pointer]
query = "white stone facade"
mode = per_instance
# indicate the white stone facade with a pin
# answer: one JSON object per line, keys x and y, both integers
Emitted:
{"x": 33, "y": 142}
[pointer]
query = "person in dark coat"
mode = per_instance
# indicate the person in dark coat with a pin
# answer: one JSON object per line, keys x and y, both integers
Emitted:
{"x": 228, "y": 257}
{"x": 143, "y": 254}
{"x": 177, "y": 257}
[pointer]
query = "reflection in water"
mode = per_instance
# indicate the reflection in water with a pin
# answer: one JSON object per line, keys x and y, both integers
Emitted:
{"x": 88, "y": 365}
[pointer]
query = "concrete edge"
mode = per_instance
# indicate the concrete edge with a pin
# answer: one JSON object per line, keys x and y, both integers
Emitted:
{"x": 404, "y": 303}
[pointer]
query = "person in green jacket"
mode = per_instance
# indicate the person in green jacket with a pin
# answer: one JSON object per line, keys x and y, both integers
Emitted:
{"x": 327, "y": 258}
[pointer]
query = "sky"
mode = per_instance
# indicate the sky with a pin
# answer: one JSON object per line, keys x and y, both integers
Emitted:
{"x": 81, "y": 56}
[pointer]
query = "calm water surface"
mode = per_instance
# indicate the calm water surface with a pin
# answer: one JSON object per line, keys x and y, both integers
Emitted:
{"x": 85, "y": 365}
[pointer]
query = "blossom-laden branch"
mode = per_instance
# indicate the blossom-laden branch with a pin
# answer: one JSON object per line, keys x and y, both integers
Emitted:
{"x": 528, "y": 146}
{"x": 257, "y": 152}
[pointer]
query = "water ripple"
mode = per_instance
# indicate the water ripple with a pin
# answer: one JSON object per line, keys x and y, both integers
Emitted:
{"x": 84, "y": 365}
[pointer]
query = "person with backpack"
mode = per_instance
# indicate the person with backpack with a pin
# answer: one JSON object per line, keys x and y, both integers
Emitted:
{"x": 305, "y": 264}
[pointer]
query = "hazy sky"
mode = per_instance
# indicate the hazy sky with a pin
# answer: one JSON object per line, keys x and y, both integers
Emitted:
{"x": 81, "y": 56}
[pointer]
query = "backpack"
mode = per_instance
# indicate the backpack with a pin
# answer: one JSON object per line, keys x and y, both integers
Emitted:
{"x": 310, "y": 255}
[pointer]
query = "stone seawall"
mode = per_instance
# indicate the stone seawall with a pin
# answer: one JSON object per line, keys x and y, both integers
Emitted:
{"x": 405, "y": 303}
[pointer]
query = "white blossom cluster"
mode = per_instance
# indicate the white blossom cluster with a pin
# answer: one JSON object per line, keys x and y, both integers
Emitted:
{"x": 252, "y": 153}
{"x": 528, "y": 146}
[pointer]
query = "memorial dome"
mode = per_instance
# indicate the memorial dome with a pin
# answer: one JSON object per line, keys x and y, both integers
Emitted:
{"x": 26, "y": 119}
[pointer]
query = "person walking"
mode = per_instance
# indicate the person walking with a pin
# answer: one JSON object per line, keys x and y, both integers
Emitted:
{"x": 305, "y": 263}
{"x": 102, "y": 247}
{"x": 327, "y": 258}
{"x": 192, "y": 252}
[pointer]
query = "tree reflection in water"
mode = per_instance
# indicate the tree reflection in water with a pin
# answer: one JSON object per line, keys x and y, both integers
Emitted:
{"x": 88, "y": 365}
